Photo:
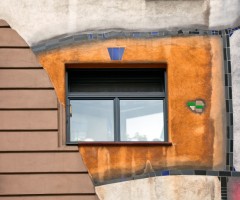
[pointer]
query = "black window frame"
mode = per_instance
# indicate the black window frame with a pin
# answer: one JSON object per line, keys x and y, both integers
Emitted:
{"x": 116, "y": 97}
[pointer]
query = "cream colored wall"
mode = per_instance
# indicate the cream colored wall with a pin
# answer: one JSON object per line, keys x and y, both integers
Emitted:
{"x": 40, "y": 20}
{"x": 235, "y": 57}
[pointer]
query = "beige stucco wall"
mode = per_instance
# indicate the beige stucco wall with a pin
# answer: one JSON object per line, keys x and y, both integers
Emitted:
{"x": 164, "y": 188}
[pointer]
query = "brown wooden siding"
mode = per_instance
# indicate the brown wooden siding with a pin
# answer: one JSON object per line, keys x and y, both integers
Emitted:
{"x": 28, "y": 120}
{"x": 24, "y": 78}
{"x": 28, "y": 141}
{"x": 41, "y": 162}
{"x": 45, "y": 184}
{"x": 22, "y": 141}
{"x": 28, "y": 99}
{"x": 17, "y": 58}
{"x": 34, "y": 162}
{"x": 3, "y": 23}
{"x": 10, "y": 38}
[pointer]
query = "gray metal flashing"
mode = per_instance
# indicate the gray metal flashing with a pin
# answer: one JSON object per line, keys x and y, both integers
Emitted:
{"x": 63, "y": 41}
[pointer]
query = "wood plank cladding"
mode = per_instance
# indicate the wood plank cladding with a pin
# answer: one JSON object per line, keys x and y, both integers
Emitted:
{"x": 34, "y": 163}
{"x": 45, "y": 184}
{"x": 28, "y": 141}
{"x": 24, "y": 78}
{"x": 3, "y": 23}
{"x": 41, "y": 162}
{"x": 28, "y": 99}
{"x": 28, "y": 120}
{"x": 17, "y": 58}
{"x": 10, "y": 38}
{"x": 32, "y": 141}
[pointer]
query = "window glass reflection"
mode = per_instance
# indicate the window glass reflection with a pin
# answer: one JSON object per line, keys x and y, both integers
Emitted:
{"x": 91, "y": 120}
{"x": 141, "y": 120}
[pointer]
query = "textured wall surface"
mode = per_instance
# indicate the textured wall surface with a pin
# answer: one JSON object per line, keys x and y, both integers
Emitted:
{"x": 43, "y": 19}
{"x": 233, "y": 187}
{"x": 33, "y": 163}
{"x": 164, "y": 188}
{"x": 197, "y": 57}
{"x": 235, "y": 57}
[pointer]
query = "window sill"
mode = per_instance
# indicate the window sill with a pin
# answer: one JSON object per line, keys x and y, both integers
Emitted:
{"x": 125, "y": 143}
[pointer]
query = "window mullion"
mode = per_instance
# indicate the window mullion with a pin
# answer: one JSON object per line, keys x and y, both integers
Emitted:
{"x": 165, "y": 106}
{"x": 116, "y": 119}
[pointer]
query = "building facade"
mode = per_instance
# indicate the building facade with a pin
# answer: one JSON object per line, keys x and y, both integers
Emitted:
{"x": 116, "y": 100}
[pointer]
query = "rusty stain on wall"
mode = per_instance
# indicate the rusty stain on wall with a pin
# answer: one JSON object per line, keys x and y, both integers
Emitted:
{"x": 194, "y": 70}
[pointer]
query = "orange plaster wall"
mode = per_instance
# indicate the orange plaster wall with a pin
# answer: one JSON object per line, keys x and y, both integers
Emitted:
{"x": 194, "y": 70}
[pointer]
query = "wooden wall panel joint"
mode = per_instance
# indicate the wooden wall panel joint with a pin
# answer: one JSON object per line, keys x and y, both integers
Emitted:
{"x": 4, "y": 24}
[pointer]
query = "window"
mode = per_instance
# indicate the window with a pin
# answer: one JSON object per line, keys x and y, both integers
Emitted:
{"x": 116, "y": 105}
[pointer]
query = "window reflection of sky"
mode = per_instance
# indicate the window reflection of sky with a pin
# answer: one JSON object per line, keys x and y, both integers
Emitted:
{"x": 145, "y": 128}
{"x": 140, "y": 120}
{"x": 92, "y": 120}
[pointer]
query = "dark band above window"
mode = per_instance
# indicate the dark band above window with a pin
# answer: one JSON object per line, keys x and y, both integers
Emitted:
{"x": 116, "y": 80}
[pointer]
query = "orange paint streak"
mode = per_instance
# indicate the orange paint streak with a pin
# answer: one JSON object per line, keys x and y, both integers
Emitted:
{"x": 189, "y": 76}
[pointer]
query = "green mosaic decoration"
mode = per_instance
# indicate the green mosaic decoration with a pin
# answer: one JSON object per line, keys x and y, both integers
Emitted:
{"x": 196, "y": 106}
